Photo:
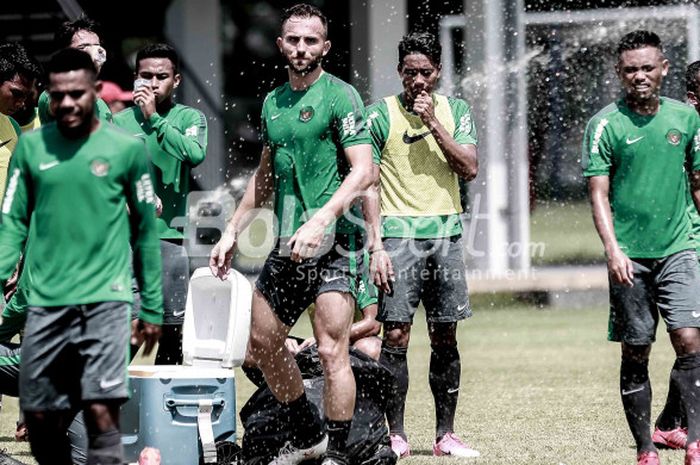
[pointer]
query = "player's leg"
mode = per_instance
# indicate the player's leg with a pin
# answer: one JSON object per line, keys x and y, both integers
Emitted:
{"x": 678, "y": 289}
{"x": 283, "y": 291}
{"x": 103, "y": 343}
{"x": 48, "y": 381}
{"x": 176, "y": 275}
{"x": 396, "y": 311}
{"x": 446, "y": 301}
{"x": 334, "y": 311}
{"x": 670, "y": 429}
{"x": 633, "y": 321}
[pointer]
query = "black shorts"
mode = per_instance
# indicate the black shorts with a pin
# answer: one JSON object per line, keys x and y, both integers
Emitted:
{"x": 290, "y": 287}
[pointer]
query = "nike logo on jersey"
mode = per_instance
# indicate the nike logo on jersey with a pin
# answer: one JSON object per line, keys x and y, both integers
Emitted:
{"x": 411, "y": 139}
{"x": 696, "y": 314}
{"x": 632, "y": 141}
{"x": 2, "y": 144}
{"x": 104, "y": 384}
{"x": 48, "y": 166}
{"x": 178, "y": 313}
{"x": 274, "y": 117}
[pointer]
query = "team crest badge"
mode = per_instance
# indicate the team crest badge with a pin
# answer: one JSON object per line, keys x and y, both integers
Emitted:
{"x": 673, "y": 136}
{"x": 305, "y": 114}
{"x": 99, "y": 167}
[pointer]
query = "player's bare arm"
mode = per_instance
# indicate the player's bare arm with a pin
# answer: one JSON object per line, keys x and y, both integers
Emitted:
{"x": 257, "y": 192}
{"x": 619, "y": 265}
{"x": 380, "y": 267}
{"x": 461, "y": 158}
{"x": 307, "y": 239}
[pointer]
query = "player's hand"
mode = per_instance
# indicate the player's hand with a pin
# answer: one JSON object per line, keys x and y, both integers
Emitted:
{"x": 620, "y": 268}
{"x": 159, "y": 206}
{"x": 292, "y": 345}
{"x": 145, "y": 99}
{"x": 381, "y": 270}
{"x": 307, "y": 240}
{"x": 423, "y": 107}
{"x": 307, "y": 343}
{"x": 144, "y": 333}
{"x": 221, "y": 255}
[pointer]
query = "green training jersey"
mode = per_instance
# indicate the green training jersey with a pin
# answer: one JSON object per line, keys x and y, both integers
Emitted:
{"x": 102, "y": 111}
{"x": 306, "y": 132}
{"x": 75, "y": 193}
{"x": 420, "y": 194}
{"x": 645, "y": 158}
{"x": 177, "y": 142}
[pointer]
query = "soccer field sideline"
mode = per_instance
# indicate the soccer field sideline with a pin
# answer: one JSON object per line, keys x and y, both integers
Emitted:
{"x": 539, "y": 387}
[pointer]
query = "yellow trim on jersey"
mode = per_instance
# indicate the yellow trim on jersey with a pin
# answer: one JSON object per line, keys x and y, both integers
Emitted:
{"x": 416, "y": 179}
{"x": 8, "y": 139}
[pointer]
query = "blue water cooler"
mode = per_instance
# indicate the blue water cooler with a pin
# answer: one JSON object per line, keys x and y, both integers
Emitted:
{"x": 188, "y": 412}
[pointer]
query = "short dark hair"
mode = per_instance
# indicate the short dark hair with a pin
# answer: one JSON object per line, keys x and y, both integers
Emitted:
{"x": 66, "y": 31}
{"x": 70, "y": 59}
{"x": 158, "y": 51}
{"x": 304, "y": 10}
{"x": 691, "y": 76}
{"x": 639, "y": 39}
{"x": 14, "y": 60}
{"x": 424, "y": 43}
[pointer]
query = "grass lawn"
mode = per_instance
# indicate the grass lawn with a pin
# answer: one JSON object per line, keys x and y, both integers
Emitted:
{"x": 539, "y": 387}
{"x": 567, "y": 232}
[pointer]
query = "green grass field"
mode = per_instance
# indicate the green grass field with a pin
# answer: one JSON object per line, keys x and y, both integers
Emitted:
{"x": 567, "y": 232}
{"x": 539, "y": 387}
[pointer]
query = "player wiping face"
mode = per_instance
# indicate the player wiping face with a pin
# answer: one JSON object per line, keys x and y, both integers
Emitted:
{"x": 418, "y": 76}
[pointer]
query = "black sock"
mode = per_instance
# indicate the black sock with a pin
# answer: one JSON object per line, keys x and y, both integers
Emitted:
{"x": 672, "y": 416}
{"x": 635, "y": 390}
{"x": 444, "y": 376}
{"x": 48, "y": 441}
{"x": 686, "y": 373}
{"x": 301, "y": 412}
{"x": 338, "y": 432}
{"x": 394, "y": 358}
{"x": 105, "y": 449}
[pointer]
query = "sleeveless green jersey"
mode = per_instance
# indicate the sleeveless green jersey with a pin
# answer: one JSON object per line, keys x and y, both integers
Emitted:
{"x": 177, "y": 142}
{"x": 102, "y": 111}
{"x": 75, "y": 193}
{"x": 420, "y": 195}
{"x": 645, "y": 158}
{"x": 306, "y": 132}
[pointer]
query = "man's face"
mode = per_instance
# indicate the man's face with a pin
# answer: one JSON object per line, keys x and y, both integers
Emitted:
{"x": 72, "y": 100}
{"x": 303, "y": 43}
{"x": 89, "y": 42}
{"x": 694, "y": 95}
{"x": 13, "y": 94}
{"x": 160, "y": 73}
{"x": 641, "y": 72}
{"x": 418, "y": 73}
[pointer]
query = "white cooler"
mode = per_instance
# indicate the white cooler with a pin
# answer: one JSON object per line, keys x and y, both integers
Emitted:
{"x": 189, "y": 411}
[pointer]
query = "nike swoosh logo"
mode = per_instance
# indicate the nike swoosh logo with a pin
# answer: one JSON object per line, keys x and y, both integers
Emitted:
{"x": 632, "y": 391}
{"x": 452, "y": 390}
{"x": 462, "y": 307}
{"x": 2, "y": 144}
{"x": 180, "y": 313}
{"x": 632, "y": 141}
{"x": 696, "y": 314}
{"x": 48, "y": 166}
{"x": 111, "y": 383}
{"x": 411, "y": 139}
{"x": 274, "y": 117}
{"x": 335, "y": 278}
